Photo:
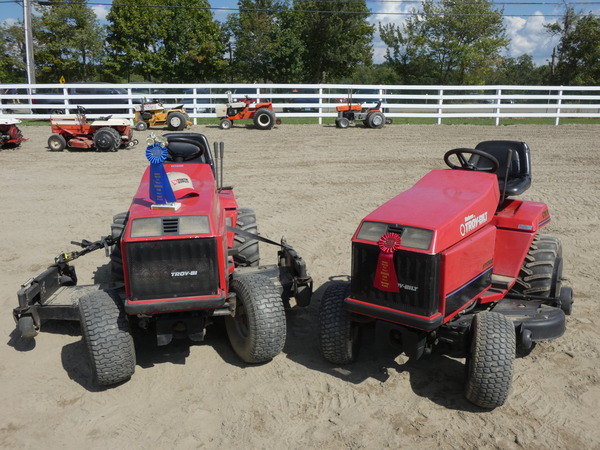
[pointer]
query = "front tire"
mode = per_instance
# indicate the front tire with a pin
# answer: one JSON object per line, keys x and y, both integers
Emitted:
{"x": 141, "y": 126}
{"x": 264, "y": 119}
{"x": 257, "y": 331}
{"x": 338, "y": 335}
{"x": 105, "y": 330}
{"x": 57, "y": 143}
{"x": 225, "y": 124}
{"x": 342, "y": 122}
{"x": 490, "y": 360}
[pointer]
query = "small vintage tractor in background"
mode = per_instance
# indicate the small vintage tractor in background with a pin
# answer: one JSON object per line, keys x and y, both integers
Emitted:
{"x": 352, "y": 112}
{"x": 261, "y": 113}
{"x": 155, "y": 114}
{"x": 10, "y": 135}
{"x": 177, "y": 266}
{"x": 104, "y": 134}
{"x": 455, "y": 264}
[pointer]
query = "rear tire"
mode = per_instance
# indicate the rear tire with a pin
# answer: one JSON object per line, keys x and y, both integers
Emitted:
{"x": 176, "y": 121}
{"x": 116, "y": 258}
{"x": 57, "y": 143}
{"x": 264, "y": 119}
{"x": 105, "y": 330}
{"x": 248, "y": 254}
{"x": 541, "y": 273}
{"x": 338, "y": 335}
{"x": 257, "y": 332}
{"x": 107, "y": 140}
{"x": 376, "y": 119}
{"x": 490, "y": 360}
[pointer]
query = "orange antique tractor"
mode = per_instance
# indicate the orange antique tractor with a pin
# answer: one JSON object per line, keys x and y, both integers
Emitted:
{"x": 371, "y": 117}
{"x": 261, "y": 112}
{"x": 104, "y": 134}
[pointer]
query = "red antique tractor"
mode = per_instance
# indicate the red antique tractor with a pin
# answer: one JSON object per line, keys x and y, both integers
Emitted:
{"x": 458, "y": 265}
{"x": 10, "y": 135}
{"x": 261, "y": 113}
{"x": 352, "y": 112}
{"x": 104, "y": 134}
{"x": 176, "y": 268}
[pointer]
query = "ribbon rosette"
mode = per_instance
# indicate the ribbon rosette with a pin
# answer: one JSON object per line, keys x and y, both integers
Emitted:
{"x": 385, "y": 275}
{"x": 160, "y": 188}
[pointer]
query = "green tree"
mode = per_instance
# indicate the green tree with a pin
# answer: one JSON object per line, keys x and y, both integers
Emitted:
{"x": 266, "y": 46}
{"x": 173, "y": 41}
{"x": 336, "y": 37}
{"x": 69, "y": 42}
{"x": 12, "y": 53}
{"x": 578, "y": 52}
{"x": 519, "y": 71}
{"x": 453, "y": 42}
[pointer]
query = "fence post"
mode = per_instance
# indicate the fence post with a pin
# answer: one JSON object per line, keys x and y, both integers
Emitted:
{"x": 498, "y": 106}
{"x": 320, "y": 107}
{"x": 440, "y": 103}
{"x": 558, "y": 103}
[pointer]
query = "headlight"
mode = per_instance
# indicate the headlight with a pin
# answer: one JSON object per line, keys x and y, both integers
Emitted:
{"x": 418, "y": 238}
{"x": 169, "y": 226}
{"x": 151, "y": 226}
{"x": 194, "y": 225}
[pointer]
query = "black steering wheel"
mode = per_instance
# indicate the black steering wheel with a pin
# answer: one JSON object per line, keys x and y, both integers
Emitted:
{"x": 184, "y": 154}
{"x": 464, "y": 162}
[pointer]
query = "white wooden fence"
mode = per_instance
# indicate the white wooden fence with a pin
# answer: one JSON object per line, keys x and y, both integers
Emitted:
{"x": 309, "y": 100}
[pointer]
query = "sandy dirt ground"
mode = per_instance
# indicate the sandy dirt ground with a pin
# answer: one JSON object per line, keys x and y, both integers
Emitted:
{"x": 311, "y": 184}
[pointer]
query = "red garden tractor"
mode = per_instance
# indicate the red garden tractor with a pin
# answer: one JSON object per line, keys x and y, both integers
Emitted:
{"x": 104, "y": 134}
{"x": 261, "y": 113}
{"x": 10, "y": 135}
{"x": 176, "y": 268}
{"x": 455, "y": 264}
{"x": 352, "y": 112}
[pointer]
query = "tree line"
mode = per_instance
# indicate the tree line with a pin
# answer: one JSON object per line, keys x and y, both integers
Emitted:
{"x": 290, "y": 41}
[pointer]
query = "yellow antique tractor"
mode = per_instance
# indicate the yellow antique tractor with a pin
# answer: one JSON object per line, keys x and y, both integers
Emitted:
{"x": 155, "y": 114}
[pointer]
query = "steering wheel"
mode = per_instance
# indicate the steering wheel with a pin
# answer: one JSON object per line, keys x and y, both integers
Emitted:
{"x": 464, "y": 162}
{"x": 186, "y": 157}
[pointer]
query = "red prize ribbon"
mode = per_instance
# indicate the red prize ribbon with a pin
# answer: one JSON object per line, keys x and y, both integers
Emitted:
{"x": 385, "y": 276}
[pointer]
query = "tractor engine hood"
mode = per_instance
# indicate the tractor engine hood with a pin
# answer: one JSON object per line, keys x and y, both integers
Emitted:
{"x": 196, "y": 193}
{"x": 451, "y": 203}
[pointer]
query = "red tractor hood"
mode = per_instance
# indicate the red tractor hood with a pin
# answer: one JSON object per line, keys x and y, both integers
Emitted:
{"x": 451, "y": 203}
{"x": 198, "y": 197}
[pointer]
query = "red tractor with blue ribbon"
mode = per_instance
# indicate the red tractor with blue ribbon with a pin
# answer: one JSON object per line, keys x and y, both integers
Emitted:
{"x": 184, "y": 256}
{"x": 456, "y": 264}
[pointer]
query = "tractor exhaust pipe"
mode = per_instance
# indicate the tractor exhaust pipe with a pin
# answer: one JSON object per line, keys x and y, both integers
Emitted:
{"x": 219, "y": 150}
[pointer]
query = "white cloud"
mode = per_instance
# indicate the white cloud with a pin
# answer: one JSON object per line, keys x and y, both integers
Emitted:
{"x": 528, "y": 36}
{"x": 8, "y": 22}
{"x": 100, "y": 11}
{"x": 388, "y": 13}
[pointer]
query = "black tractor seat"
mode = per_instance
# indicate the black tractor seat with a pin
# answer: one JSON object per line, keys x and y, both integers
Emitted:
{"x": 514, "y": 157}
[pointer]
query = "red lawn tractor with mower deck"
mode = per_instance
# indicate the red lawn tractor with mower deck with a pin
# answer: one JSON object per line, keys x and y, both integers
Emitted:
{"x": 352, "y": 112}
{"x": 104, "y": 134}
{"x": 10, "y": 135}
{"x": 176, "y": 268}
{"x": 261, "y": 113}
{"x": 456, "y": 264}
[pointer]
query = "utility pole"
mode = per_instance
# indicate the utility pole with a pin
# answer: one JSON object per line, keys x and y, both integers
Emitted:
{"x": 28, "y": 42}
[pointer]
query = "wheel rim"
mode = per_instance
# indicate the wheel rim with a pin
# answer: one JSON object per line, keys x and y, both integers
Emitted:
{"x": 175, "y": 122}
{"x": 54, "y": 144}
{"x": 264, "y": 120}
{"x": 377, "y": 120}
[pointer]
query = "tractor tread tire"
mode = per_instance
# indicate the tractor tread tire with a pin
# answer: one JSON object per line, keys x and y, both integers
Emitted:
{"x": 107, "y": 146}
{"x": 337, "y": 334}
{"x": 116, "y": 258}
{"x": 258, "y": 331}
{"x": 537, "y": 275}
{"x": 248, "y": 254}
{"x": 490, "y": 361}
{"x": 105, "y": 330}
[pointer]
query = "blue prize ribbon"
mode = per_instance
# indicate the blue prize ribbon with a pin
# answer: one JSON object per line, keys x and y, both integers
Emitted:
{"x": 160, "y": 188}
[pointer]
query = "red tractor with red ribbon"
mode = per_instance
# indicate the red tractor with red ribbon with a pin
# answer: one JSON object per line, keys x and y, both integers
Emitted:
{"x": 456, "y": 265}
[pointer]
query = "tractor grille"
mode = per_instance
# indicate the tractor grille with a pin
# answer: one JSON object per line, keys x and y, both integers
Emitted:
{"x": 172, "y": 268}
{"x": 418, "y": 274}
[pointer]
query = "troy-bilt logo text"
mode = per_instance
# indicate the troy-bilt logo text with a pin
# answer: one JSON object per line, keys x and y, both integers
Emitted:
{"x": 408, "y": 287}
{"x": 184, "y": 273}
{"x": 471, "y": 222}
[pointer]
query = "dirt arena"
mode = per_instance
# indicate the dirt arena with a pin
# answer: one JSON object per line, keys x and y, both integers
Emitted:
{"x": 311, "y": 184}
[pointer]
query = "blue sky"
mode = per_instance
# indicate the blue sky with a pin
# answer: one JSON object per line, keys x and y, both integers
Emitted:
{"x": 524, "y": 20}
